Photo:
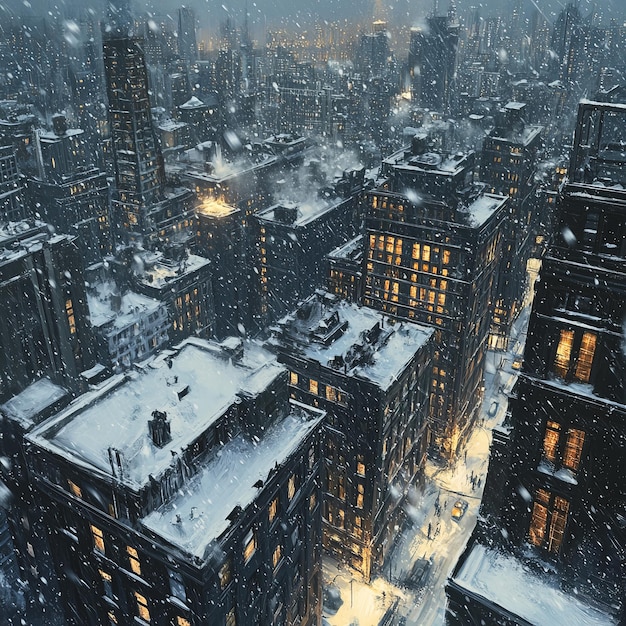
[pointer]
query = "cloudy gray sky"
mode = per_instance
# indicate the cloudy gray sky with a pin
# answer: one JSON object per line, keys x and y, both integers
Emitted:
{"x": 212, "y": 12}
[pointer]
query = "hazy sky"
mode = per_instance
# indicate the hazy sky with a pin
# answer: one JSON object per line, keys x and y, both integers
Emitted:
{"x": 212, "y": 12}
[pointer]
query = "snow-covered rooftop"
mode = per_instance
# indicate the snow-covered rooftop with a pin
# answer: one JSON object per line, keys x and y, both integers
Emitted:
{"x": 116, "y": 415}
{"x": 388, "y": 350}
{"x": 163, "y": 272}
{"x": 199, "y": 513}
{"x": 350, "y": 251}
{"x": 132, "y": 305}
{"x": 505, "y": 581}
{"x": 484, "y": 207}
{"x": 304, "y": 212}
{"x": 192, "y": 103}
{"x": 27, "y": 405}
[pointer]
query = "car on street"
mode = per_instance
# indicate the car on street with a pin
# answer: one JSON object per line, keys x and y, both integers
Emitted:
{"x": 458, "y": 510}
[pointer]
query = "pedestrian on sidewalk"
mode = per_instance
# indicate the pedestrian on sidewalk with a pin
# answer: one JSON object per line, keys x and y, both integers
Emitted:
{"x": 465, "y": 455}
{"x": 429, "y": 529}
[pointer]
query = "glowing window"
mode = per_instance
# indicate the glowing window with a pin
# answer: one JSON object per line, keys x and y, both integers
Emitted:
{"x": 225, "y": 574}
{"x": 75, "y": 489}
{"x": 573, "y": 449}
{"x": 273, "y": 510}
{"x": 276, "y": 556}
{"x": 564, "y": 353}
{"x": 249, "y": 546}
{"x": 291, "y": 487}
{"x": 551, "y": 441}
{"x": 98, "y": 538}
{"x": 142, "y": 607}
{"x": 313, "y": 386}
{"x": 71, "y": 320}
{"x": 293, "y": 378}
{"x": 585, "y": 357}
{"x": 133, "y": 560}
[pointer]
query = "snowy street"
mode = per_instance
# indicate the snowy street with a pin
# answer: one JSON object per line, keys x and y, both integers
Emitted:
{"x": 414, "y": 577}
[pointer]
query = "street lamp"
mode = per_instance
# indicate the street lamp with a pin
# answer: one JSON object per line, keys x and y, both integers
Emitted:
{"x": 351, "y": 581}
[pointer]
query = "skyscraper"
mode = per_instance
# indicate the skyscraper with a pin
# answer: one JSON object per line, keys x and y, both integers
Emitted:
{"x": 552, "y": 520}
{"x": 187, "y": 47}
{"x": 139, "y": 171}
{"x": 432, "y": 62}
{"x": 432, "y": 244}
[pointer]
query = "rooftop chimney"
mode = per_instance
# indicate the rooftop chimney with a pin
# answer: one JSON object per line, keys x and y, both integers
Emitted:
{"x": 159, "y": 428}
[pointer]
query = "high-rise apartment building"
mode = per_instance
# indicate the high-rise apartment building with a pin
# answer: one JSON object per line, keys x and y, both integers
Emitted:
{"x": 432, "y": 62}
{"x": 433, "y": 241}
{"x": 371, "y": 376}
{"x": 508, "y": 163}
{"x": 139, "y": 171}
{"x": 552, "y": 520}
{"x": 187, "y": 47}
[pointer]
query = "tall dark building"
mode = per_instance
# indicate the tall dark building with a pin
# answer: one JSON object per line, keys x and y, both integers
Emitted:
{"x": 292, "y": 242}
{"x": 432, "y": 62}
{"x": 77, "y": 204}
{"x": 433, "y": 243}
{"x": 43, "y": 327}
{"x": 139, "y": 171}
{"x": 508, "y": 164}
{"x": 187, "y": 47}
{"x": 12, "y": 207}
{"x": 371, "y": 376}
{"x": 552, "y": 520}
{"x": 374, "y": 51}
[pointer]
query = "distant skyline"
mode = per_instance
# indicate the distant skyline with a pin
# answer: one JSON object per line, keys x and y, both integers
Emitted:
{"x": 292, "y": 13}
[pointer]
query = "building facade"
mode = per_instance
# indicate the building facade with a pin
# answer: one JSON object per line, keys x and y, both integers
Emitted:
{"x": 508, "y": 166}
{"x": 371, "y": 377}
{"x": 432, "y": 248}
{"x": 553, "y": 508}
{"x": 205, "y": 511}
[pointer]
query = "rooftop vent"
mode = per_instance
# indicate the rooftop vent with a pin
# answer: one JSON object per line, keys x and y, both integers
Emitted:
{"x": 159, "y": 427}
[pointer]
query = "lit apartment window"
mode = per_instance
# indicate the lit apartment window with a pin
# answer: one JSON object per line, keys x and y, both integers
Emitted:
{"x": 585, "y": 357}
{"x": 573, "y": 449}
{"x": 98, "y": 538}
{"x": 107, "y": 583}
{"x": 551, "y": 441}
{"x": 71, "y": 320}
{"x": 548, "y": 521}
{"x": 291, "y": 487}
{"x": 331, "y": 393}
{"x": 277, "y": 556}
{"x": 312, "y": 501}
{"x": 142, "y": 607}
{"x": 75, "y": 489}
{"x": 564, "y": 353}
{"x": 112, "y": 618}
{"x": 360, "y": 465}
{"x": 249, "y": 546}
{"x": 225, "y": 574}
{"x": 293, "y": 378}
{"x": 273, "y": 510}
{"x": 231, "y": 620}
{"x": 359, "y": 496}
{"x": 133, "y": 560}
{"x": 575, "y": 359}
{"x": 313, "y": 386}
{"x": 182, "y": 621}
